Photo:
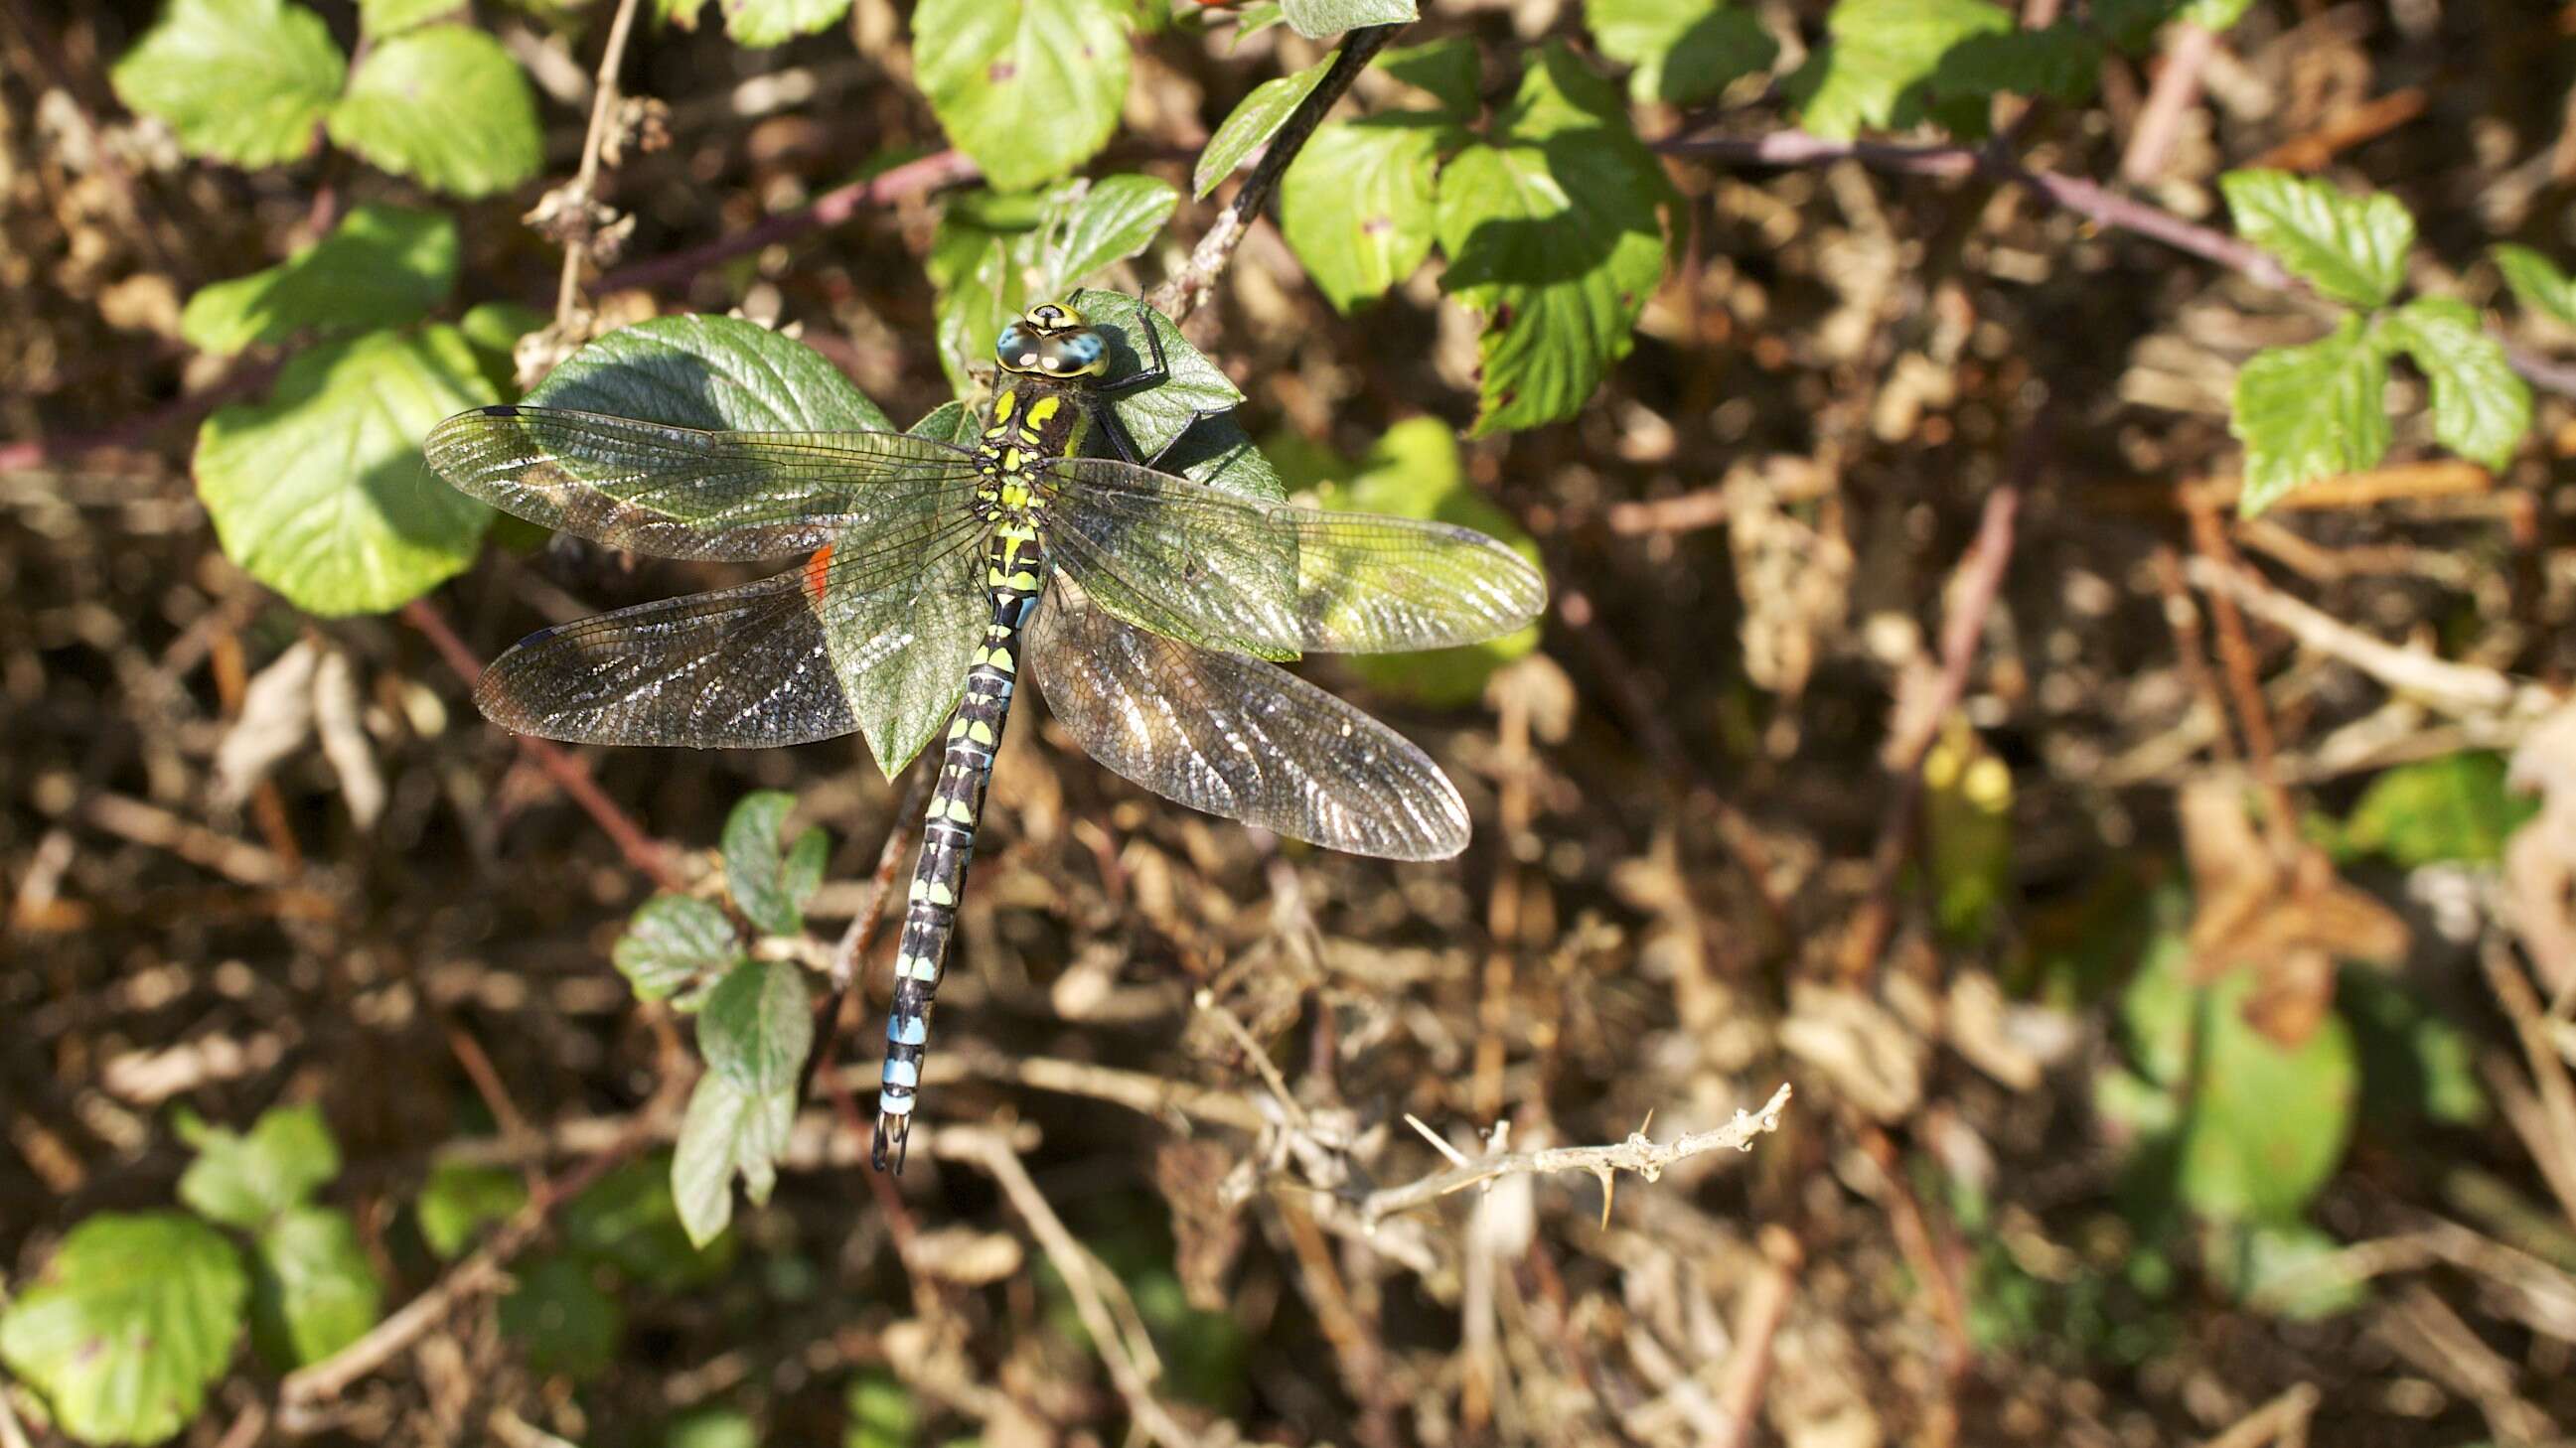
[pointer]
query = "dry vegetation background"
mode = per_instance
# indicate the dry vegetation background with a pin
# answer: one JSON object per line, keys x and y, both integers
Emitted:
{"x": 1904, "y": 470}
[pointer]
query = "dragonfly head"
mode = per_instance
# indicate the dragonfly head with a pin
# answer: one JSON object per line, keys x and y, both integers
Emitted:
{"x": 1052, "y": 340}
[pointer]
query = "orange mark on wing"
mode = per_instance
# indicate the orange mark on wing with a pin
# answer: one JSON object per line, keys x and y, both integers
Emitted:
{"x": 817, "y": 570}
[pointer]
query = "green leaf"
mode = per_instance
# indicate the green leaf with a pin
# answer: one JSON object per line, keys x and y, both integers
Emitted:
{"x": 567, "y": 1322}
{"x": 446, "y": 106}
{"x": 315, "y": 1292}
{"x": 459, "y": 1200}
{"x": 1115, "y": 219}
{"x": 131, "y": 1322}
{"x": 2062, "y": 61}
{"x": 1683, "y": 50}
{"x": 1029, "y": 88}
{"x": 715, "y": 373}
{"x": 882, "y": 1414}
{"x": 2285, "y": 1269}
{"x": 952, "y": 422}
{"x": 761, "y": 23}
{"x": 2310, "y": 412}
{"x": 2351, "y": 248}
{"x": 1968, "y": 834}
{"x": 1451, "y": 70}
{"x": 2414, "y": 1062}
{"x": 378, "y": 19}
{"x": 320, "y": 492}
{"x": 244, "y": 81}
{"x": 2454, "y": 807}
{"x": 1555, "y": 236}
{"x": 1359, "y": 204}
{"x": 1255, "y": 120}
{"x": 380, "y": 267}
{"x": 2537, "y": 282}
{"x": 713, "y": 1428}
{"x": 244, "y": 1181}
{"x": 753, "y": 861}
{"x": 1316, "y": 19}
{"x": 1218, "y": 453}
{"x": 1876, "y": 66}
{"x": 630, "y": 1222}
{"x": 2481, "y": 408}
{"x": 1414, "y": 471}
{"x": 2214, "y": 14}
{"x": 979, "y": 262}
{"x": 728, "y": 1130}
{"x": 1154, "y": 417}
{"x": 802, "y": 872}
{"x": 758, "y": 1026}
{"x": 675, "y": 948}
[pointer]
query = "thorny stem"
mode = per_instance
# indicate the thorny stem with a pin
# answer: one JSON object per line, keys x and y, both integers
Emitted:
{"x": 603, "y": 111}
{"x": 1183, "y": 291}
{"x": 2089, "y": 199}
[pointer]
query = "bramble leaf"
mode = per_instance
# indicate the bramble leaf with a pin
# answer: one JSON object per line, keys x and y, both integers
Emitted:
{"x": 2309, "y": 412}
{"x": 1117, "y": 217}
{"x": 244, "y": 81}
{"x": 320, "y": 492}
{"x": 1360, "y": 203}
{"x": 1029, "y": 88}
{"x": 716, "y": 373}
{"x": 762, "y": 23}
{"x": 446, "y": 106}
{"x": 380, "y": 18}
{"x": 2537, "y": 282}
{"x": 727, "y": 1131}
{"x": 1555, "y": 235}
{"x": 753, "y": 861}
{"x": 2062, "y": 61}
{"x": 1318, "y": 19}
{"x": 458, "y": 1200}
{"x": 380, "y": 267}
{"x": 2481, "y": 407}
{"x": 1684, "y": 51}
{"x": 1255, "y": 119}
{"x": 1450, "y": 70}
{"x": 1878, "y": 61}
{"x": 1154, "y": 417}
{"x": 758, "y": 1026}
{"x": 245, "y": 1181}
{"x": 128, "y": 1326}
{"x": 314, "y": 1291}
{"x": 676, "y": 946}
{"x": 2351, "y": 248}
{"x": 2453, "y": 807}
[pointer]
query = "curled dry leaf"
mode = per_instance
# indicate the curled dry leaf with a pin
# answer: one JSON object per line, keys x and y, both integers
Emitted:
{"x": 1874, "y": 1059}
{"x": 276, "y": 719}
{"x": 344, "y": 738}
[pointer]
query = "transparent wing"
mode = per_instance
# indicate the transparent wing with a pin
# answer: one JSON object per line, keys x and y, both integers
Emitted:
{"x": 676, "y": 492}
{"x": 1270, "y": 580}
{"x": 1239, "y": 737}
{"x": 846, "y": 642}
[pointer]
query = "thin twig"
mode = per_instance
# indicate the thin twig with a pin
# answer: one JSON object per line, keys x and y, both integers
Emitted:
{"x": 2176, "y": 87}
{"x": 640, "y": 849}
{"x": 1758, "y": 1316}
{"x": 2089, "y": 199}
{"x": 140, "y": 429}
{"x": 2244, "y": 685}
{"x": 2461, "y": 690}
{"x": 603, "y": 110}
{"x": 1636, "y": 1154}
{"x": 1182, "y": 292}
{"x": 913, "y": 178}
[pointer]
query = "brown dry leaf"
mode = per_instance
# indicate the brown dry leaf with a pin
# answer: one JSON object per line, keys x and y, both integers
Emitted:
{"x": 344, "y": 738}
{"x": 276, "y": 719}
{"x": 966, "y": 1256}
{"x": 1794, "y": 579}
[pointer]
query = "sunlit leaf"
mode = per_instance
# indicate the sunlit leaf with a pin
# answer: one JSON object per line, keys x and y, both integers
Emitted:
{"x": 1321, "y": 19}
{"x": 1116, "y": 218}
{"x": 380, "y": 267}
{"x": 775, "y": 22}
{"x": 1359, "y": 204}
{"x": 128, "y": 1325}
{"x": 675, "y": 948}
{"x": 2537, "y": 282}
{"x": 1029, "y": 88}
{"x": 2351, "y": 248}
{"x": 246, "y": 1180}
{"x": 1684, "y": 51}
{"x": 1254, "y": 120}
{"x": 2481, "y": 407}
{"x": 459, "y": 1200}
{"x": 245, "y": 81}
{"x": 315, "y": 1292}
{"x": 1876, "y": 66}
{"x": 446, "y": 106}
{"x": 2310, "y": 412}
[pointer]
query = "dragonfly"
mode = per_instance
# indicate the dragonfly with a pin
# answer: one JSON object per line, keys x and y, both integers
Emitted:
{"x": 1153, "y": 612}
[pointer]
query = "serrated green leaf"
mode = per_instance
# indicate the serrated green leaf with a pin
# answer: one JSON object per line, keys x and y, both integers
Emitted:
{"x": 630, "y": 1222}
{"x": 1256, "y": 18}
{"x": 2062, "y": 61}
{"x": 676, "y": 946}
{"x": 951, "y": 422}
{"x": 245, "y": 81}
{"x": 1029, "y": 88}
{"x": 320, "y": 492}
{"x": 1318, "y": 19}
{"x": 1414, "y": 471}
{"x": 1684, "y": 51}
{"x": 1155, "y": 417}
{"x": 1218, "y": 453}
{"x": 244, "y": 1181}
{"x": 716, "y": 373}
{"x": 2351, "y": 248}
{"x": 380, "y": 267}
{"x": 728, "y": 1131}
{"x": 378, "y": 19}
{"x": 1556, "y": 236}
{"x": 1360, "y": 204}
{"x": 313, "y": 1290}
{"x": 1115, "y": 219}
{"x": 2481, "y": 407}
{"x": 758, "y": 1026}
{"x": 1876, "y": 66}
{"x": 801, "y": 874}
{"x": 2452, "y": 808}
{"x": 1451, "y": 70}
{"x": 1254, "y": 120}
{"x": 446, "y": 106}
{"x": 2309, "y": 412}
{"x": 460, "y": 1200}
{"x": 128, "y": 1326}
{"x": 2537, "y": 282}
{"x": 979, "y": 265}
{"x": 567, "y": 1322}
{"x": 762, "y": 23}
{"x": 752, "y": 861}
